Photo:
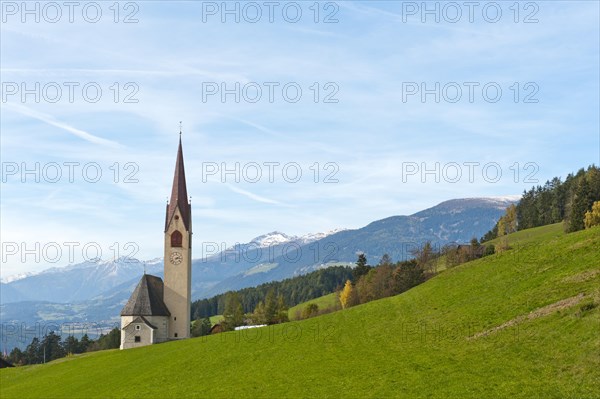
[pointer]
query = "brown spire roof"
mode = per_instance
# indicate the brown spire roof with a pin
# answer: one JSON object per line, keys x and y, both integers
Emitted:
{"x": 147, "y": 299}
{"x": 179, "y": 195}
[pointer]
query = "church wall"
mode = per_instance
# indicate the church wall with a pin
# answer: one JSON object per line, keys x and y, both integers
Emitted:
{"x": 125, "y": 320}
{"x": 128, "y": 335}
{"x": 162, "y": 327}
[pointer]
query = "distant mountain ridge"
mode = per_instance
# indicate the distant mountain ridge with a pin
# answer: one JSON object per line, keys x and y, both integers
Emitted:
{"x": 96, "y": 291}
{"x": 86, "y": 280}
{"x": 453, "y": 221}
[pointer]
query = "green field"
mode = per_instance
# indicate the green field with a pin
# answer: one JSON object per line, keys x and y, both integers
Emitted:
{"x": 524, "y": 323}
{"x": 324, "y": 302}
{"x": 216, "y": 319}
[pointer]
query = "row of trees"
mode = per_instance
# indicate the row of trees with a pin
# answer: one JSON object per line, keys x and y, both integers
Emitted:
{"x": 272, "y": 310}
{"x": 294, "y": 291}
{"x": 554, "y": 202}
{"x": 388, "y": 278}
{"x": 52, "y": 347}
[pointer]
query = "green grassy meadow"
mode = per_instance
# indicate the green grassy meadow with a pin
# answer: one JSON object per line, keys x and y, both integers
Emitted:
{"x": 324, "y": 302}
{"x": 421, "y": 343}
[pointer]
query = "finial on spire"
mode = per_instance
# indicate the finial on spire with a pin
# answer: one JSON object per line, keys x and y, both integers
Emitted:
{"x": 180, "y": 127}
{"x": 144, "y": 268}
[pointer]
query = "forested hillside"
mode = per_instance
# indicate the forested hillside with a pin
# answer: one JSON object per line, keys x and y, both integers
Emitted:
{"x": 294, "y": 291}
{"x": 554, "y": 202}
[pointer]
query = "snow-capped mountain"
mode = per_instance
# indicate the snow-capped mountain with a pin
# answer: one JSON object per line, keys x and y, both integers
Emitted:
{"x": 18, "y": 276}
{"x": 453, "y": 221}
{"x": 86, "y": 280}
{"x": 278, "y": 238}
{"x": 312, "y": 237}
{"x": 272, "y": 238}
{"x": 96, "y": 291}
{"x": 75, "y": 282}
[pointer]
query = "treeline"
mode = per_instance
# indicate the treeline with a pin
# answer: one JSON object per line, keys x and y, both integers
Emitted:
{"x": 556, "y": 201}
{"x": 363, "y": 284}
{"x": 52, "y": 347}
{"x": 389, "y": 278}
{"x": 293, "y": 291}
{"x": 271, "y": 310}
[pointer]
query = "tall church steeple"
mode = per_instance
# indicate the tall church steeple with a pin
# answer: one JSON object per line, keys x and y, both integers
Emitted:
{"x": 178, "y": 253}
{"x": 179, "y": 196}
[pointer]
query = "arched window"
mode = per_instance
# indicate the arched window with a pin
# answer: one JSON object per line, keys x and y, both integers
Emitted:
{"x": 176, "y": 239}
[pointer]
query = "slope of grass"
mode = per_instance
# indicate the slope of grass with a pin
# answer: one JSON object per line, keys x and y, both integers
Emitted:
{"x": 417, "y": 344}
{"x": 324, "y": 302}
{"x": 534, "y": 235}
{"x": 216, "y": 319}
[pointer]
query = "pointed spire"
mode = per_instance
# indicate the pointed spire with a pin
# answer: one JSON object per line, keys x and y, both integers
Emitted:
{"x": 179, "y": 196}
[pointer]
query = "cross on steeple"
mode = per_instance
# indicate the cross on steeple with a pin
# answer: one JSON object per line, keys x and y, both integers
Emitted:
{"x": 180, "y": 127}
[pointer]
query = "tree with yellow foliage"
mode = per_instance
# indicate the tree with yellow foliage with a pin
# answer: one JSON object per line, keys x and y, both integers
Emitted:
{"x": 592, "y": 218}
{"x": 348, "y": 295}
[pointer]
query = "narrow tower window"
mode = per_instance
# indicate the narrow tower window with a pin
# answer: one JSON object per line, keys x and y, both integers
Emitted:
{"x": 176, "y": 239}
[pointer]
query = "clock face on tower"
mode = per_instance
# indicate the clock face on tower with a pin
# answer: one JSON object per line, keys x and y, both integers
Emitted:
{"x": 176, "y": 258}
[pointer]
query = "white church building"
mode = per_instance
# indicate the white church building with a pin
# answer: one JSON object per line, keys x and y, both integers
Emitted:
{"x": 159, "y": 311}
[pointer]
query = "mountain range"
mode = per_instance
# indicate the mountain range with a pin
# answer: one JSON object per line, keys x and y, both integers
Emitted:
{"x": 96, "y": 291}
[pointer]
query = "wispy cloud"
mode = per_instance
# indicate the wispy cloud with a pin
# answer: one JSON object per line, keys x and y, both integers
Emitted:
{"x": 368, "y": 134}
{"x": 253, "y": 196}
{"x": 50, "y": 120}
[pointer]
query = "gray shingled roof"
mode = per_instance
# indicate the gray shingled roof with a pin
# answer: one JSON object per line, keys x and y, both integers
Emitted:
{"x": 147, "y": 299}
{"x": 140, "y": 319}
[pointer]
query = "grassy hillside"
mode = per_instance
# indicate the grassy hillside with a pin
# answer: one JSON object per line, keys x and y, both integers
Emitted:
{"x": 523, "y": 323}
{"x": 216, "y": 319}
{"x": 324, "y": 302}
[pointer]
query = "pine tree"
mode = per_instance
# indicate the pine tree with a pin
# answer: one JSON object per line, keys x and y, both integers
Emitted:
{"x": 386, "y": 260}
{"x": 17, "y": 357}
{"x": 271, "y": 307}
{"x": 361, "y": 267}
{"x": 84, "y": 344}
{"x": 33, "y": 352}
{"x": 407, "y": 275}
{"x": 282, "y": 310}
{"x": 582, "y": 201}
{"x": 71, "y": 345}
{"x": 234, "y": 313}
{"x": 259, "y": 317}
{"x": 51, "y": 347}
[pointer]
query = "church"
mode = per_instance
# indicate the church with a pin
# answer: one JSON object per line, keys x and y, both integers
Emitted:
{"x": 159, "y": 311}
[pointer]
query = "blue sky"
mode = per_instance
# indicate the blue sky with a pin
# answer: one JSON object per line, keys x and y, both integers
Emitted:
{"x": 366, "y": 144}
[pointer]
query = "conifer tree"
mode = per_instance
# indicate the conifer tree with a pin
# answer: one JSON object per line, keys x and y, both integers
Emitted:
{"x": 361, "y": 267}
{"x": 581, "y": 203}
{"x": 234, "y": 313}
